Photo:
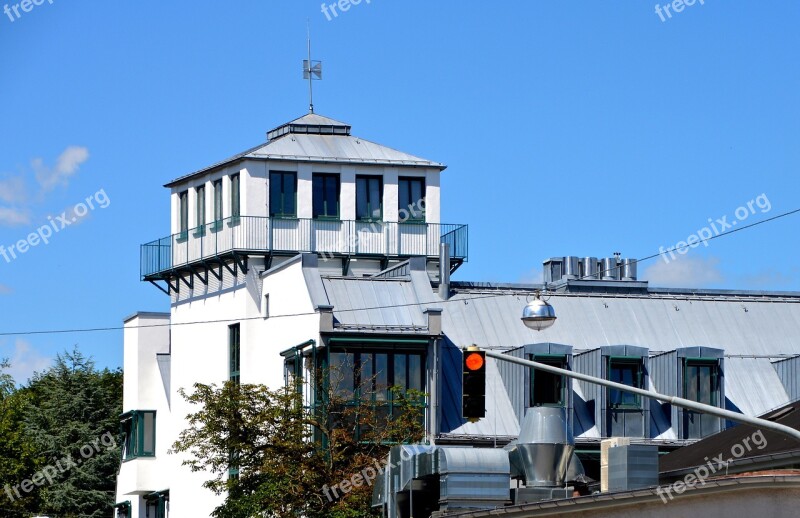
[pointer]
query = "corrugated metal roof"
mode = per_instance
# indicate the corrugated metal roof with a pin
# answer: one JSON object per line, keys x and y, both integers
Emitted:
{"x": 762, "y": 328}
{"x": 388, "y": 303}
{"x": 307, "y": 147}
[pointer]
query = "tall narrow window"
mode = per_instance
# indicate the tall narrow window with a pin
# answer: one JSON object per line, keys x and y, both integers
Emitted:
{"x": 702, "y": 381}
{"x": 201, "y": 209}
{"x": 183, "y": 212}
{"x": 236, "y": 210}
{"x": 282, "y": 194}
{"x": 627, "y": 371}
{"x": 369, "y": 196}
{"x": 235, "y": 355}
{"x": 547, "y": 389}
{"x": 217, "y": 204}
{"x": 411, "y": 199}
{"x": 326, "y": 196}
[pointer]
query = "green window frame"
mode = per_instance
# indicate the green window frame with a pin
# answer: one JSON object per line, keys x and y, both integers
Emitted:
{"x": 139, "y": 434}
{"x": 123, "y": 509}
{"x": 235, "y": 353}
{"x": 326, "y": 195}
{"x": 282, "y": 194}
{"x": 200, "y": 210}
{"x": 628, "y": 371}
{"x": 157, "y": 505}
{"x": 217, "y": 185}
{"x": 701, "y": 381}
{"x": 183, "y": 213}
{"x": 236, "y": 198}
{"x": 411, "y": 191}
{"x": 546, "y": 388}
{"x": 368, "y": 374}
{"x": 369, "y": 198}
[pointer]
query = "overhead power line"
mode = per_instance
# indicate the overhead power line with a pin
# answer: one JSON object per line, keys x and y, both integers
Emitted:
{"x": 390, "y": 306}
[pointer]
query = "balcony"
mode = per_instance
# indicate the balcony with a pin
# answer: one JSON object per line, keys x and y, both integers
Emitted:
{"x": 246, "y": 235}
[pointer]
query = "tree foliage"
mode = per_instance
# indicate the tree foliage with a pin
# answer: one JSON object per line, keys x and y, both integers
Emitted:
{"x": 286, "y": 453}
{"x": 70, "y": 411}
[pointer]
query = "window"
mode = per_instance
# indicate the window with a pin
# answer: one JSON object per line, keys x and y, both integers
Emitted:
{"x": 282, "y": 194}
{"x": 326, "y": 196}
{"x": 627, "y": 371}
{"x": 123, "y": 510}
{"x": 235, "y": 353}
{"x": 701, "y": 378}
{"x": 183, "y": 212}
{"x": 235, "y": 197}
{"x": 411, "y": 200}
{"x": 217, "y": 204}
{"x": 369, "y": 195}
{"x": 547, "y": 389}
{"x": 369, "y": 374}
{"x": 139, "y": 434}
{"x": 157, "y": 505}
{"x": 201, "y": 209}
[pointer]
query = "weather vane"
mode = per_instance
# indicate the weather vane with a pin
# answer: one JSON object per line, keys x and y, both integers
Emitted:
{"x": 312, "y": 70}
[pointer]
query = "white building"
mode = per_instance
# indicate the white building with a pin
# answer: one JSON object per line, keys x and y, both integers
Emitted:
{"x": 232, "y": 260}
{"x": 321, "y": 245}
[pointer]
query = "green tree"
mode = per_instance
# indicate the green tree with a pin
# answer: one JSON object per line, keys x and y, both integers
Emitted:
{"x": 285, "y": 453}
{"x": 17, "y": 453}
{"x": 73, "y": 413}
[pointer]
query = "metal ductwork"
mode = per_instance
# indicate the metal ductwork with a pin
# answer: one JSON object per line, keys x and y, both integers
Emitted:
{"x": 544, "y": 448}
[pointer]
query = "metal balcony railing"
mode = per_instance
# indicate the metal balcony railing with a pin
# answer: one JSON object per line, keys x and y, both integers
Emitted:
{"x": 262, "y": 235}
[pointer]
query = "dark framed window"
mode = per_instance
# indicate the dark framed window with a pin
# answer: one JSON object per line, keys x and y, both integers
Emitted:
{"x": 701, "y": 381}
{"x": 628, "y": 371}
{"x": 325, "y": 196}
{"x": 123, "y": 510}
{"x": 236, "y": 198}
{"x": 548, "y": 389}
{"x": 217, "y": 204}
{"x": 369, "y": 197}
{"x": 183, "y": 212}
{"x": 411, "y": 199}
{"x": 201, "y": 209}
{"x": 234, "y": 353}
{"x": 282, "y": 194}
{"x": 157, "y": 505}
{"x": 139, "y": 434}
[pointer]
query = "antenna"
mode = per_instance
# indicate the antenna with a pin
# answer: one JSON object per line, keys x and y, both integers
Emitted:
{"x": 312, "y": 70}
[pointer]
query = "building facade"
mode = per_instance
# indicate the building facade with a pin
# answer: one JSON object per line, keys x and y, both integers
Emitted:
{"x": 320, "y": 249}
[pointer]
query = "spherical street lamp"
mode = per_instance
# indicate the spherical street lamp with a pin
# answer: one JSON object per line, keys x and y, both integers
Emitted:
{"x": 538, "y": 314}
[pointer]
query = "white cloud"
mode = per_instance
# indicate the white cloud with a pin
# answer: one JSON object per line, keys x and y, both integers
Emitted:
{"x": 10, "y": 217}
{"x": 25, "y": 360}
{"x": 684, "y": 272}
{"x": 768, "y": 280}
{"x": 5, "y": 290}
{"x": 66, "y": 166}
{"x": 12, "y": 190}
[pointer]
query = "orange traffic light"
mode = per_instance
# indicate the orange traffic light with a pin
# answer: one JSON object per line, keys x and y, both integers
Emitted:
{"x": 474, "y": 361}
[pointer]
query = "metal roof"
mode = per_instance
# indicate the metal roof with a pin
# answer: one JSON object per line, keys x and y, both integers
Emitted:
{"x": 752, "y": 329}
{"x": 314, "y": 138}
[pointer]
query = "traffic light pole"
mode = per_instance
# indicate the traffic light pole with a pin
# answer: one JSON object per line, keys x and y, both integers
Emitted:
{"x": 677, "y": 401}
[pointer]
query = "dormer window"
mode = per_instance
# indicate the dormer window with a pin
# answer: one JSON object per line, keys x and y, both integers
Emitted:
{"x": 369, "y": 196}
{"x": 411, "y": 199}
{"x": 326, "y": 196}
{"x": 282, "y": 194}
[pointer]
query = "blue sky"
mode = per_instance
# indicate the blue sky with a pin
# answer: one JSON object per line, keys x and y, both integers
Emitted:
{"x": 569, "y": 128}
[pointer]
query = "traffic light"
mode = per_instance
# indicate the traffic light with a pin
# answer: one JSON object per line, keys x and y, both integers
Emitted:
{"x": 473, "y": 388}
